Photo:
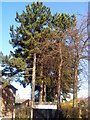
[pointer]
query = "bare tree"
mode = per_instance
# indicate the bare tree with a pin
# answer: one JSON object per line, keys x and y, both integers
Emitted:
{"x": 78, "y": 41}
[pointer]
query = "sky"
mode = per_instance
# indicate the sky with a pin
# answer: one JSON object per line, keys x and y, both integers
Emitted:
{"x": 7, "y": 18}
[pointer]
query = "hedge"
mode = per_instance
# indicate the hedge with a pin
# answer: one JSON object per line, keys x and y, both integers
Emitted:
{"x": 67, "y": 113}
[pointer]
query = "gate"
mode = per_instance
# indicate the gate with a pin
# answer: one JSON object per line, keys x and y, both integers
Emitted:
{"x": 47, "y": 114}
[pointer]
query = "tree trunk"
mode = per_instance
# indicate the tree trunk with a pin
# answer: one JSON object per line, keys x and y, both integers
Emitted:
{"x": 33, "y": 78}
{"x": 75, "y": 88}
{"x": 33, "y": 84}
{"x": 44, "y": 93}
{"x": 59, "y": 76}
{"x": 54, "y": 94}
{"x": 41, "y": 86}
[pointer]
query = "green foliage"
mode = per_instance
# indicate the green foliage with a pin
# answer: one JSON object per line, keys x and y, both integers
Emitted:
{"x": 1, "y": 56}
{"x": 64, "y": 21}
{"x": 27, "y": 38}
{"x": 18, "y": 63}
{"x": 4, "y": 60}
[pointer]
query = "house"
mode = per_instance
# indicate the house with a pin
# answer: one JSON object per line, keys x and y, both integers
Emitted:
{"x": 23, "y": 103}
{"x": 7, "y": 100}
{"x": 26, "y": 103}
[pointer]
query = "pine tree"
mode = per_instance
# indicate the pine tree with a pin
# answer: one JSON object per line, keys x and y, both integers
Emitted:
{"x": 41, "y": 50}
{"x": 61, "y": 22}
{"x": 27, "y": 38}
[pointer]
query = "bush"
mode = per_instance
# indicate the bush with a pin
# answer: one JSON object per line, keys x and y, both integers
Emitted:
{"x": 81, "y": 103}
{"x": 22, "y": 113}
{"x": 70, "y": 112}
{"x": 84, "y": 114}
{"x": 67, "y": 105}
{"x": 75, "y": 113}
{"x": 66, "y": 113}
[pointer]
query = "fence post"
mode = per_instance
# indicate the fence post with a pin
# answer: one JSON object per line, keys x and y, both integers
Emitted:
{"x": 13, "y": 114}
{"x": 31, "y": 110}
{"x": 31, "y": 113}
{"x": 80, "y": 113}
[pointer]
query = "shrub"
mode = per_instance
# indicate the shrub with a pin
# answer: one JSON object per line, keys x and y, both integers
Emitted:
{"x": 70, "y": 112}
{"x": 81, "y": 103}
{"x": 22, "y": 113}
{"x": 67, "y": 105}
{"x": 84, "y": 112}
{"x": 67, "y": 113}
{"x": 75, "y": 113}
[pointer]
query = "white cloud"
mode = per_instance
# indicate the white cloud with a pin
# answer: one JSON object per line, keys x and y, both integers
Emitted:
{"x": 24, "y": 93}
{"x": 83, "y": 93}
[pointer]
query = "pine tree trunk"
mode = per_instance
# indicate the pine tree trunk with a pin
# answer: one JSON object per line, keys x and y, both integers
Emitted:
{"x": 44, "y": 93}
{"x": 41, "y": 93}
{"x": 33, "y": 78}
{"x": 41, "y": 86}
{"x": 59, "y": 76}
{"x": 75, "y": 88}
{"x": 54, "y": 90}
{"x": 54, "y": 94}
{"x": 33, "y": 84}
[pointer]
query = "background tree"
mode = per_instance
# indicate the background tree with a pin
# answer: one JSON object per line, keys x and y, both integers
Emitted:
{"x": 61, "y": 24}
{"x": 78, "y": 37}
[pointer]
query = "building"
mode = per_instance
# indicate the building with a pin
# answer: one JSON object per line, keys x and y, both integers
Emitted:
{"x": 7, "y": 100}
{"x": 22, "y": 103}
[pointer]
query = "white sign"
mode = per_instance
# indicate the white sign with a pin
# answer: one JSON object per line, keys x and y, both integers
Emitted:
{"x": 45, "y": 106}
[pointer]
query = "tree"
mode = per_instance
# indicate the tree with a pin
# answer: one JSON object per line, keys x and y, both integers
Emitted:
{"x": 40, "y": 44}
{"x": 3, "y": 63}
{"x": 62, "y": 23}
{"x": 26, "y": 38}
{"x": 78, "y": 37}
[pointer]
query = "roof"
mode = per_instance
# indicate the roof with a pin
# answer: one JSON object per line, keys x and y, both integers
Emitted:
{"x": 79, "y": 99}
{"x": 26, "y": 101}
{"x": 20, "y": 100}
